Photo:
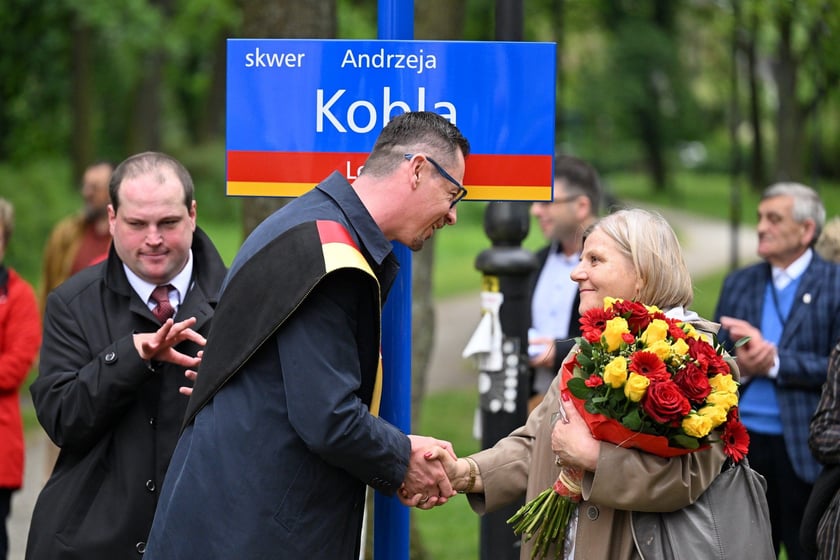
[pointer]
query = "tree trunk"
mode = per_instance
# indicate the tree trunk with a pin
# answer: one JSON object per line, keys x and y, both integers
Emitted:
{"x": 82, "y": 114}
{"x": 145, "y": 130}
{"x": 282, "y": 19}
{"x": 211, "y": 121}
{"x": 758, "y": 178}
{"x": 649, "y": 122}
{"x": 789, "y": 123}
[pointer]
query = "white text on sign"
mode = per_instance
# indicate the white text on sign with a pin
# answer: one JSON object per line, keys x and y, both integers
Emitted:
{"x": 362, "y": 115}
{"x": 259, "y": 59}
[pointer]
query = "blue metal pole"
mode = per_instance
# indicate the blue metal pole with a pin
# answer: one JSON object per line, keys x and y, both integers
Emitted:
{"x": 391, "y": 518}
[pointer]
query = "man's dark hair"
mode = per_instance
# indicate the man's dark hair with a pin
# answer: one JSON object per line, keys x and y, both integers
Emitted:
{"x": 415, "y": 132}
{"x": 147, "y": 162}
{"x": 580, "y": 178}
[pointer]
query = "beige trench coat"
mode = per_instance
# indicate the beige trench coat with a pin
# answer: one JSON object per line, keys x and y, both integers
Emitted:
{"x": 625, "y": 480}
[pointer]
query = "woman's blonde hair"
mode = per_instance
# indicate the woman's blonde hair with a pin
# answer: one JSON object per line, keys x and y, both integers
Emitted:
{"x": 648, "y": 241}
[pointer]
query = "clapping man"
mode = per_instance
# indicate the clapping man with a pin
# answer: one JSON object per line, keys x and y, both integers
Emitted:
{"x": 112, "y": 365}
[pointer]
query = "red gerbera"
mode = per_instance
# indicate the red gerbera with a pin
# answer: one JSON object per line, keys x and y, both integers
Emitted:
{"x": 593, "y": 323}
{"x": 650, "y": 365}
{"x": 736, "y": 440}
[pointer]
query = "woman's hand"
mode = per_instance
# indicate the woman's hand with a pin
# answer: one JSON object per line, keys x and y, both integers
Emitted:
{"x": 571, "y": 440}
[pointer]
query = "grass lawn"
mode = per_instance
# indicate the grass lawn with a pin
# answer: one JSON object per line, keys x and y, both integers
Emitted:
{"x": 450, "y": 532}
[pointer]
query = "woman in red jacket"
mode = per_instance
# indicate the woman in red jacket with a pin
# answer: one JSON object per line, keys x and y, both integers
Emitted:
{"x": 20, "y": 338}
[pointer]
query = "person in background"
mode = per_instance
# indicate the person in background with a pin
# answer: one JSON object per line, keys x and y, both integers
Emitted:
{"x": 76, "y": 242}
{"x": 555, "y": 320}
{"x": 20, "y": 337}
{"x": 118, "y": 336}
{"x": 820, "y": 529}
{"x": 282, "y": 433}
{"x": 828, "y": 244}
{"x": 634, "y": 255}
{"x": 789, "y": 307}
{"x": 82, "y": 239}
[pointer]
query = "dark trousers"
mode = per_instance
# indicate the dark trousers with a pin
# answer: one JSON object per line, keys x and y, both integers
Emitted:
{"x": 787, "y": 494}
{"x": 5, "y": 508}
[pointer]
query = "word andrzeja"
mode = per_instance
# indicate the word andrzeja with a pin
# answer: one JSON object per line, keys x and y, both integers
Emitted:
{"x": 418, "y": 62}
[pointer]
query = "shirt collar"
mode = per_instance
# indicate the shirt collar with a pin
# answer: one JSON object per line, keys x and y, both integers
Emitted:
{"x": 181, "y": 282}
{"x": 371, "y": 237}
{"x": 784, "y": 276}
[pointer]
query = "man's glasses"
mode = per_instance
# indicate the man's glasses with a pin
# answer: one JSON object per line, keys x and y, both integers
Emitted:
{"x": 459, "y": 194}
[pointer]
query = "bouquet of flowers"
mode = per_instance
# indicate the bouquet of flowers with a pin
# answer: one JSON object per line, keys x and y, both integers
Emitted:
{"x": 639, "y": 379}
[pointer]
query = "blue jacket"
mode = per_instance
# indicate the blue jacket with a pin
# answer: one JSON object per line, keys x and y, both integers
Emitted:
{"x": 810, "y": 332}
{"x": 282, "y": 444}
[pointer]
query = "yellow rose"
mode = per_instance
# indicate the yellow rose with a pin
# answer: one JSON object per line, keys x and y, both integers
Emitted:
{"x": 680, "y": 347}
{"x": 715, "y": 414}
{"x": 723, "y": 382}
{"x": 613, "y": 332}
{"x": 652, "y": 309}
{"x": 689, "y": 330}
{"x": 615, "y": 372}
{"x": 608, "y": 302}
{"x": 636, "y": 386}
{"x": 657, "y": 330}
{"x": 661, "y": 349}
{"x": 696, "y": 425}
{"x": 722, "y": 399}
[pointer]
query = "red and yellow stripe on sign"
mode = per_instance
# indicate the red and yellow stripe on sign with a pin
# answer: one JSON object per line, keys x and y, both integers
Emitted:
{"x": 340, "y": 251}
{"x": 488, "y": 177}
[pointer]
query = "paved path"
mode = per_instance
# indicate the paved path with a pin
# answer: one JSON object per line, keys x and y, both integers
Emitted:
{"x": 707, "y": 246}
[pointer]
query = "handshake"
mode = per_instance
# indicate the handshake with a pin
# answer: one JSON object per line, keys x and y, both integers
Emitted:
{"x": 435, "y": 474}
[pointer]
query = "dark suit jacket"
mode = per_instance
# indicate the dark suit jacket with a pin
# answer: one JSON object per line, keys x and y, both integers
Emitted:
{"x": 276, "y": 463}
{"x": 115, "y": 420}
{"x": 810, "y": 332}
{"x": 561, "y": 347}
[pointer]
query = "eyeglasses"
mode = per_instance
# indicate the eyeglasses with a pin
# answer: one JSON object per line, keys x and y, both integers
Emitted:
{"x": 459, "y": 194}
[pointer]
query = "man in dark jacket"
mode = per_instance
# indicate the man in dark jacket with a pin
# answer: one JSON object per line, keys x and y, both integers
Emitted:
{"x": 111, "y": 366}
{"x": 282, "y": 430}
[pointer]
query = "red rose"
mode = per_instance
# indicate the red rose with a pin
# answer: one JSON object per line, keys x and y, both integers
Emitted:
{"x": 594, "y": 380}
{"x": 650, "y": 365}
{"x": 707, "y": 358}
{"x": 637, "y": 315}
{"x": 693, "y": 382}
{"x": 675, "y": 331}
{"x": 665, "y": 403}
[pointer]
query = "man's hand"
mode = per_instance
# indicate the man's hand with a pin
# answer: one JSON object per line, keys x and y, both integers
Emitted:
{"x": 756, "y": 357}
{"x": 426, "y": 483}
{"x": 159, "y": 345}
{"x": 192, "y": 375}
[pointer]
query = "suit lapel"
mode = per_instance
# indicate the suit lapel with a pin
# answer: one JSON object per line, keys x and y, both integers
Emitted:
{"x": 807, "y": 295}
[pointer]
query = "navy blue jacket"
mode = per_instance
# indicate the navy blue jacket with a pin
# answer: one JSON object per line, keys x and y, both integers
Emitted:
{"x": 277, "y": 458}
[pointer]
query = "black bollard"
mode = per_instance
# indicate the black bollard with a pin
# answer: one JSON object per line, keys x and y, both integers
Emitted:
{"x": 503, "y": 398}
